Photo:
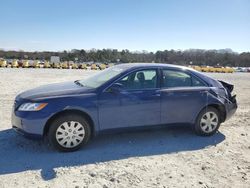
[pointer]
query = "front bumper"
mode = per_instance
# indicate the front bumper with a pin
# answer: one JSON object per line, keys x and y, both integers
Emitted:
{"x": 28, "y": 124}
{"x": 26, "y": 134}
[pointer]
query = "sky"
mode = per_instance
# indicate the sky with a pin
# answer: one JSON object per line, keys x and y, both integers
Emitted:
{"x": 151, "y": 25}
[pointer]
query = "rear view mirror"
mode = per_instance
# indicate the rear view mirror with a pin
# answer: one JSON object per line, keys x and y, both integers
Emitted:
{"x": 116, "y": 88}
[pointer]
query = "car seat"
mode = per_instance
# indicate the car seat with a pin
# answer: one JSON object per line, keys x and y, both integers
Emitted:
{"x": 141, "y": 77}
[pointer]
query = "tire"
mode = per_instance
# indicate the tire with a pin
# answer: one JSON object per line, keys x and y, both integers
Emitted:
{"x": 207, "y": 122}
{"x": 69, "y": 132}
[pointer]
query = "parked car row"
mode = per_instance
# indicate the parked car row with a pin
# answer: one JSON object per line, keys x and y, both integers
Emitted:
{"x": 219, "y": 69}
{"x": 46, "y": 64}
{"x": 101, "y": 66}
{"x": 242, "y": 69}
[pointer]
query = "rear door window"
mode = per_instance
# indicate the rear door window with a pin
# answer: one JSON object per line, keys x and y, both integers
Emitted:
{"x": 175, "y": 78}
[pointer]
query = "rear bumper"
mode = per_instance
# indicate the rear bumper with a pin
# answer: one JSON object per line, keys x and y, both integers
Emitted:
{"x": 231, "y": 109}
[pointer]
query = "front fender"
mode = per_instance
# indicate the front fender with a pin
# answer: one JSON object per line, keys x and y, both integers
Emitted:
{"x": 85, "y": 103}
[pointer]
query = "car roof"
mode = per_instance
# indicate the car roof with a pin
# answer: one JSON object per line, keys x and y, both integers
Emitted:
{"x": 147, "y": 65}
{"x": 130, "y": 66}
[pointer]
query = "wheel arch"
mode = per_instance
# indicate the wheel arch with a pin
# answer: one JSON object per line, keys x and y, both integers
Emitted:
{"x": 220, "y": 108}
{"x": 66, "y": 112}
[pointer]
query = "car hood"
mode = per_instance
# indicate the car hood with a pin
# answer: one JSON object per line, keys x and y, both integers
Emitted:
{"x": 53, "y": 90}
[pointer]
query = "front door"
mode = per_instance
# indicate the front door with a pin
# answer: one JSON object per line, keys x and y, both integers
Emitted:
{"x": 136, "y": 104}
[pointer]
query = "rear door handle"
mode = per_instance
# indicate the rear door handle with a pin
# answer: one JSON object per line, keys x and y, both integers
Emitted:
{"x": 156, "y": 94}
{"x": 204, "y": 92}
{"x": 169, "y": 93}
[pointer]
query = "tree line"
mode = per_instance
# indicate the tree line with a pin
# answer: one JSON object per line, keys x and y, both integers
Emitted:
{"x": 195, "y": 57}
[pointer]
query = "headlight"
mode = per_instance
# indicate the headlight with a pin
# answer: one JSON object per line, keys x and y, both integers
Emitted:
{"x": 32, "y": 106}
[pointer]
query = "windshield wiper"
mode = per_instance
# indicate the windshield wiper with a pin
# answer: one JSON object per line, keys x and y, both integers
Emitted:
{"x": 78, "y": 83}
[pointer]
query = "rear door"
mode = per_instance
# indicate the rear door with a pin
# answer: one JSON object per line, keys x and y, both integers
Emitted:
{"x": 182, "y": 96}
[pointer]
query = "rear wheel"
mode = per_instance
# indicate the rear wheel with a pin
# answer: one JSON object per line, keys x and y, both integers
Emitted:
{"x": 69, "y": 132}
{"x": 208, "y": 122}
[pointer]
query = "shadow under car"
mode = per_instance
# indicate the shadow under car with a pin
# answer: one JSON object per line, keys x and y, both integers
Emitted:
{"x": 18, "y": 154}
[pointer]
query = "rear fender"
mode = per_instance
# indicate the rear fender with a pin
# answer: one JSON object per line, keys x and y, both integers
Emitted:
{"x": 214, "y": 101}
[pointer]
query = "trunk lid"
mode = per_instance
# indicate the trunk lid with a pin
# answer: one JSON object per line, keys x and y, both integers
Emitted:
{"x": 229, "y": 88}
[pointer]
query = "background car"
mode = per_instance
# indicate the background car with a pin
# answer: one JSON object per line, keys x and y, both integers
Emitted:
{"x": 94, "y": 67}
{"x": 82, "y": 66}
{"x": 47, "y": 64}
{"x": 14, "y": 63}
{"x": 3, "y": 63}
{"x": 25, "y": 64}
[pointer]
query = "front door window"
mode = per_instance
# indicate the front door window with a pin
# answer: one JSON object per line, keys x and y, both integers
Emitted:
{"x": 143, "y": 79}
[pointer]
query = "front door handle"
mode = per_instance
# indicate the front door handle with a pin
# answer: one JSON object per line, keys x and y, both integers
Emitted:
{"x": 156, "y": 95}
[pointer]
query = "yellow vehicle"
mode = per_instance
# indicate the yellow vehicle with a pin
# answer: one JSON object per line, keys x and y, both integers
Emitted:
{"x": 46, "y": 64}
{"x": 56, "y": 65}
{"x": 14, "y": 64}
{"x": 25, "y": 64}
{"x": 205, "y": 69}
{"x": 36, "y": 64}
{"x": 82, "y": 66}
{"x": 218, "y": 69}
{"x": 65, "y": 65}
{"x": 195, "y": 67}
{"x": 102, "y": 66}
{"x": 3, "y": 63}
{"x": 212, "y": 69}
{"x": 94, "y": 67}
{"x": 228, "y": 70}
{"x": 209, "y": 69}
{"x": 74, "y": 65}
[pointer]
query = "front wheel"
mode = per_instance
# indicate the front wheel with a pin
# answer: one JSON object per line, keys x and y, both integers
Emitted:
{"x": 208, "y": 122}
{"x": 69, "y": 132}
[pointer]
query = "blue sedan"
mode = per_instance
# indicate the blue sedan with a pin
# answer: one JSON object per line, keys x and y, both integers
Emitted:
{"x": 124, "y": 96}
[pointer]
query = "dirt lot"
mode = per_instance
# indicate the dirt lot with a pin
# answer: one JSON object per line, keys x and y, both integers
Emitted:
{"x": 172, "y": 157}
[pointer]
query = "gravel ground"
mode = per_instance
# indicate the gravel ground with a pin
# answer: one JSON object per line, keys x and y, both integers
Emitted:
{"x": 171, "y": 157}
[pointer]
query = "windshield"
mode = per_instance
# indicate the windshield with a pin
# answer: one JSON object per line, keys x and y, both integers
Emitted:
{"x": 101, "y": 77}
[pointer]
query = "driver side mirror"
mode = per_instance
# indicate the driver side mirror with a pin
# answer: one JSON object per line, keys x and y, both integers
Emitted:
{"x": 116, "y": 88}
